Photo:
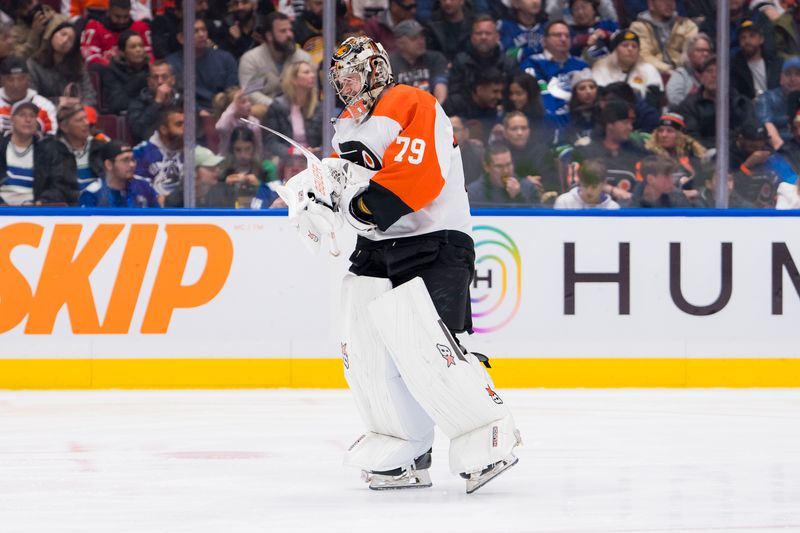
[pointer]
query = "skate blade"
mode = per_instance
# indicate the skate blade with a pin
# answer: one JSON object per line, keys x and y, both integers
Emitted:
{"x": 413, "y": 479}
{"x": 479, "y": 481}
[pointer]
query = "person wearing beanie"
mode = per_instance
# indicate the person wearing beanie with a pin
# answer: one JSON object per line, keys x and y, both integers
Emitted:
{"x": 614, "y": 145}
{"x": 670, "y": 140}
{"x": 625, "y": 64}
{"x": 663, "y": 34}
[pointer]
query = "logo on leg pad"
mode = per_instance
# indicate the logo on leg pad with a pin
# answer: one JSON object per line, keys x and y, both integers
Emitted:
{"x": 493, "y": 395}
{"x": 447, "y": 354}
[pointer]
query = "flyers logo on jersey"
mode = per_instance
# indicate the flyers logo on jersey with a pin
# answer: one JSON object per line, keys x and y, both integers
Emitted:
{"x": 64, "y": 277}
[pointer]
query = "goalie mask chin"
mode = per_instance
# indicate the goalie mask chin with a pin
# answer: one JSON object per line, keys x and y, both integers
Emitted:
{"x": 360, "y": 69}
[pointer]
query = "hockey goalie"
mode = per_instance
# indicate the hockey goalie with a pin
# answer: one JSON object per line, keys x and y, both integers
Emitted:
{"x": 396, "y": 177}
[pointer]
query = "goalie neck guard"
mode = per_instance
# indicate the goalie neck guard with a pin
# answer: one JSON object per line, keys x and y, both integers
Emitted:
{"x": 359, "y": 70}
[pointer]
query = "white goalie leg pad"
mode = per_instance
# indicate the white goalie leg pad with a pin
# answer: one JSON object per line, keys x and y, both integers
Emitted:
{"x": 452, "y": 387}
{"x": 399, "y": 430}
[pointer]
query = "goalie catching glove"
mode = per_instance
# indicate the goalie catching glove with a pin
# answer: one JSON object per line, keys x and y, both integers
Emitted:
{"x": 319, "y": 197}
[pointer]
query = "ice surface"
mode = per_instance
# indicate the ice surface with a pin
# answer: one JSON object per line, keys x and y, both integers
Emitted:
{"x": 270, "y": 461}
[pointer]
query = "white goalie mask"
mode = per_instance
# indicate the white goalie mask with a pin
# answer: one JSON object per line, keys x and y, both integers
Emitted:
{"x": 359, "y": 70}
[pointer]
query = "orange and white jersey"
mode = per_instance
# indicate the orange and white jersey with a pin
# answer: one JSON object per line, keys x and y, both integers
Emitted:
{"x": 418, "y": 185}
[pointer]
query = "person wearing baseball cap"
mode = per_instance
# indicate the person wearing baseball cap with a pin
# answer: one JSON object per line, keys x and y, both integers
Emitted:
{"x": 15, "y": 81}
{"x": 752, "y": 72}
{"x": 771, "y": 108}
{"x": 119, "y": 187}
{"x": 209, "y": 190}
{"x": 413, "y": 64}
{"x": 34, "y": 170}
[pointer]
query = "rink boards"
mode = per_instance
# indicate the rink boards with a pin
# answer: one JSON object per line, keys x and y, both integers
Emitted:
{"x": 209, "y": 299}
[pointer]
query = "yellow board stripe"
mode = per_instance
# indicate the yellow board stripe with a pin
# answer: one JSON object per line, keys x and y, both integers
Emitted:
{"x": 327, "y": 373}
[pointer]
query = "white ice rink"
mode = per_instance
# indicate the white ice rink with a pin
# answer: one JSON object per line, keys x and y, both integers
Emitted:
{"x": 270, "y": 461}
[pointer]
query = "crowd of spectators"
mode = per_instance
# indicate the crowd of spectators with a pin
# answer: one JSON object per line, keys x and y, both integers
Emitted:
{"x": 554, "y": 103}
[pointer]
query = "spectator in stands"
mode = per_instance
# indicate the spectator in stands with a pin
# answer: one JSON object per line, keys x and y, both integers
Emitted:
{"x": 753, "y": 74}
{"x": 471, "y": 150}
{"x": 708, "y": 193}
{"x": 99, "y": 39}
{"x": 560, "y": 10}
{"x": 771, "y": 107}
{"x": 74, "y": 132}
{"x": 260, "y": 68}
{"x": 583, "y": 107}
{"x": 145, "y": 109}
{"x": 242, "y": 171}
{"x": 126, "y": 76}
{"x": 425, "y": 8}
{"x": 160, "y": 159}
{"x": 240, "y": 27}
{"x": 752, "y": 162}
{"x": 449, "y": 28}
{"x": 231, "y": 106}
{"x": 790, "y": 150}
{"x": 209, "y": 191}
{"x": 553, "y": 70}
{"x": 119, "y": 186}
{"x": 657, "y": 188}
{"x": 739, "y": 11}
{"x": 308, "y": 30}
{"x": 34, "y": 170}
{"x": 381, "y": 26}
{"x": 788, "y": 196}
{"x": 588, "y": 194}
{"x": 6, "y": 41}
{"x": 669, "y": 140}
{"x": 591, "y": 35}
{"x": 57, "y": 69}
{"x": 498, "y": 187}
{"x": 32, "y": 20}
{"x": 481, "y": 109}
{"x": 647, "y": 110}
{"x": 215, "y": 70}
{"x": 524, "y": 31}
{"x": 96, "y": 9}
{"x": 525, "y": 96}
{"x": 663, "y": 35}
{"x": 164, "y": 28}
{"x": 15, "y": 82}
{"x": 699, "y": 109}
{"x": 787, "y": 31}
{"x": 296, "y": 113}
{"x": 615, "y": 146}
{"x": 413, "y": 65}
{"x": 483, "y": 52}
{"x": 685, "y": 80}
{"x": 533, "y": 159}
{"x": 625, "y": 64}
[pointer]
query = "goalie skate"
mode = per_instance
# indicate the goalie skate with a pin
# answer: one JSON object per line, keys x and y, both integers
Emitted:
{"x": 408, "y": 479}
{"x": 414, "y": 476}
{"x": 477, "y": 480}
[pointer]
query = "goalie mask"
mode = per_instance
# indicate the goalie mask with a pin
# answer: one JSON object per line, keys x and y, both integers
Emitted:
{"x": 359, "y": 70}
